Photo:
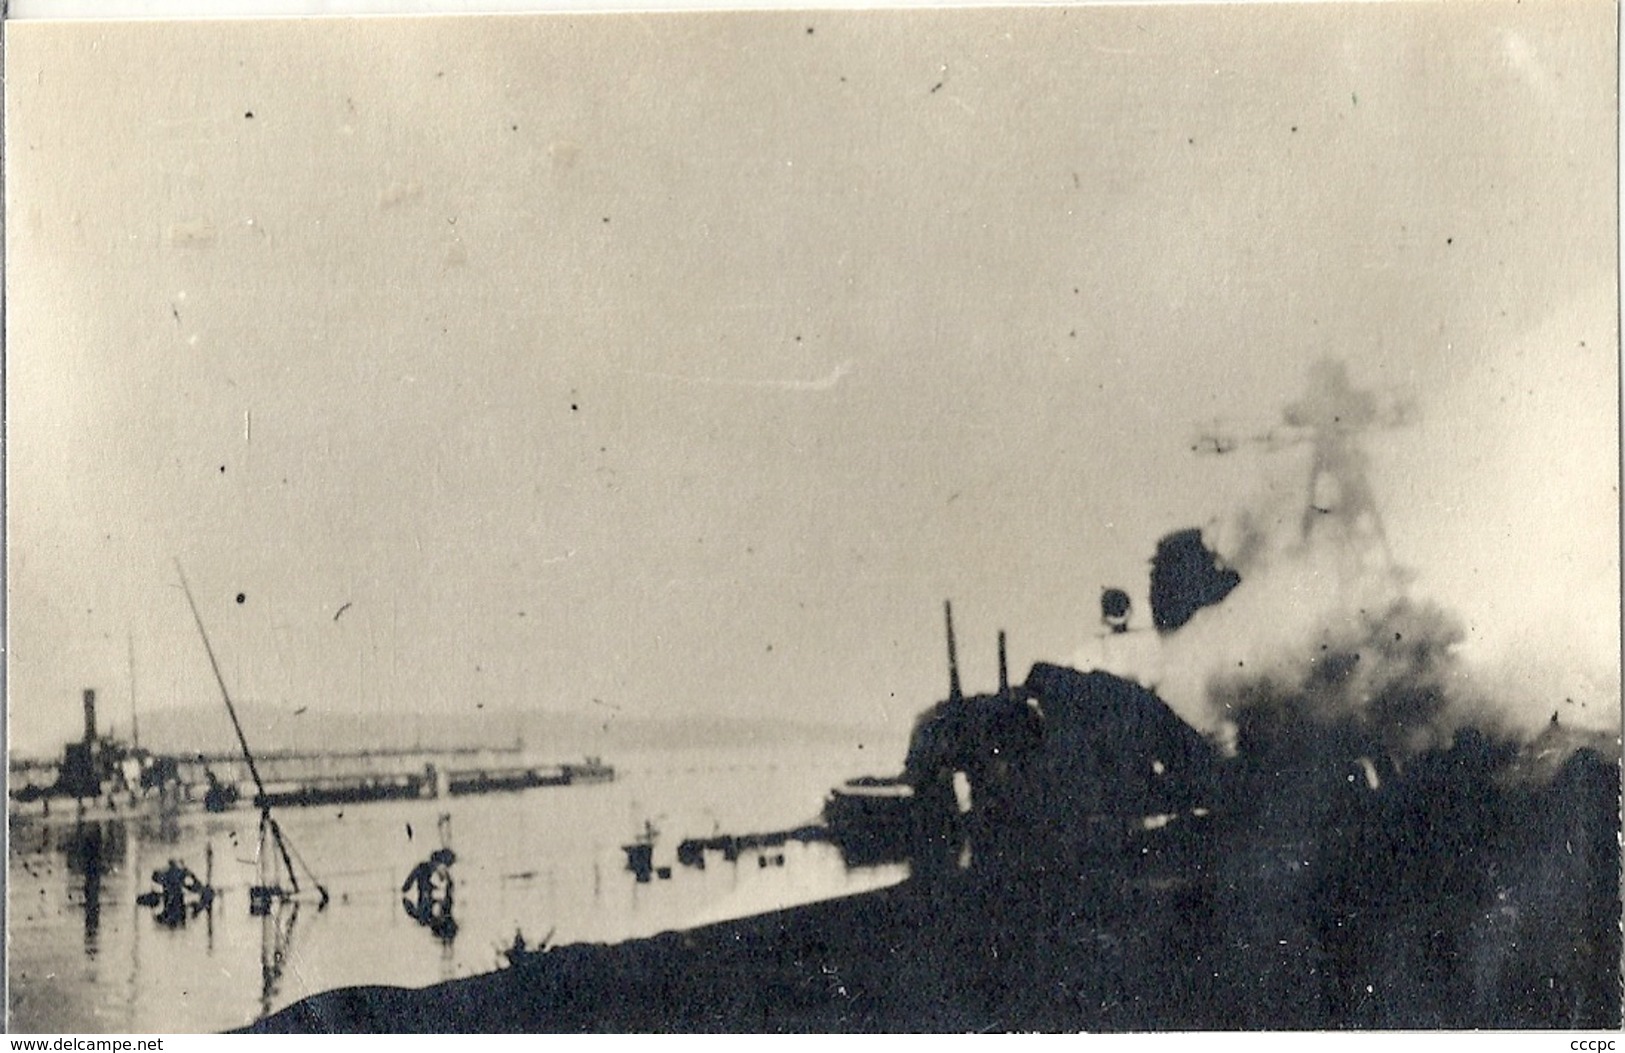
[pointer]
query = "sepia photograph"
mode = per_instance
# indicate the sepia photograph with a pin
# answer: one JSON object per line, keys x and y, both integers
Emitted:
{"x": 1065, "y": 518}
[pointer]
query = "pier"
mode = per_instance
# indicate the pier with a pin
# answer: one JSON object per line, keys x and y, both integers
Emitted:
{"x": 134, "y": 781}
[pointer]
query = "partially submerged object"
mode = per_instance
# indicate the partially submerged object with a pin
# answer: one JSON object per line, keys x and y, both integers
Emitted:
{"x": 269, "y": 888}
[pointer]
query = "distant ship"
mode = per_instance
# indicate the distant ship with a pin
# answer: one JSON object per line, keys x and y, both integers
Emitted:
{"x": 100, "y": 776}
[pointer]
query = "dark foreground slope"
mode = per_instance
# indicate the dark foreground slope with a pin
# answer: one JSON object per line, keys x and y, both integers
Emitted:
{"x": 1448, "y": 900}
{"x": 910, "y": 958}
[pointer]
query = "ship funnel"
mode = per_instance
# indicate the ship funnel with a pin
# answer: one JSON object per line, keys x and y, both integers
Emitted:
{"x": 1004, "y": 670}
{"x": 90, "y": 715}
{"x": 954, "y": 694}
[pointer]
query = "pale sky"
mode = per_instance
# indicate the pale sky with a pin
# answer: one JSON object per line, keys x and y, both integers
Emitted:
{"x": 688, "y": 362}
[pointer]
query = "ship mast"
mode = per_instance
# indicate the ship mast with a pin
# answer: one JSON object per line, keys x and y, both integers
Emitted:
{"x": 135, "y": 727}
{"x": 261, "y": 895}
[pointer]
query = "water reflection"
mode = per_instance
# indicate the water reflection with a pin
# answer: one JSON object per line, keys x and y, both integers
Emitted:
{"x": 545, "y": 861}
{"x": 276, "y": 937}
{"x": 91, "y": 850}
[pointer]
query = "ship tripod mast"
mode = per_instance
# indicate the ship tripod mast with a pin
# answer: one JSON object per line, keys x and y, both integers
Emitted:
{"x": 269, "y": 888}
{"x": 1330, "y": 418}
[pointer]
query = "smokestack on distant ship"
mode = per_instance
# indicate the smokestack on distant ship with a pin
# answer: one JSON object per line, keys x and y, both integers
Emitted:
{"x": 1004, "y": 670}
{"x": 81, "y": 772}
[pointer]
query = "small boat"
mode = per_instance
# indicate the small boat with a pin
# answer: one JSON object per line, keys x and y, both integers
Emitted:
{"x": 591, "y": 770}
{"x": 220, "y": 796}
{"x": 872, "y": 819}
{"x": 640, "y": 853}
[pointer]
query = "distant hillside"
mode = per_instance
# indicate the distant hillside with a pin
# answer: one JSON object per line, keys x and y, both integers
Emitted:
{"x": 208, "y": 730}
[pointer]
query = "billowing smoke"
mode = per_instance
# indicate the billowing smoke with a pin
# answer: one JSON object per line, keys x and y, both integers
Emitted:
{"x": 1389, "y": 679}
{"x": 1321, "y": 631}
{"x": 1504, "y": 496}
{"x": 1330, "y": 628}
{"x": 1418, "y": 676}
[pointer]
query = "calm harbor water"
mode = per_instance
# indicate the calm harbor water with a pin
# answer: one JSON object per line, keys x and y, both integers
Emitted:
{"x": 84, "y": 956}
